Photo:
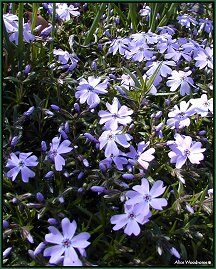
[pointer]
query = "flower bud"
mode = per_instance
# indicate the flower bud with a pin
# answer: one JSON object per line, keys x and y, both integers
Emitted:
{"x": 77, "y": 107}
{"x": 39, "y": 197}
{"x": 174, "y": 252}
{"x": 90, "y": 138}
{"x": 80, "y": 176}
{"x": 52, "y": 221}
{"x": 55, "y": 107}
{"x": 5, "y": 224}
{"x": 14, "y": 141}
{"x": 31, "y": 253}
{"x": 63, "y": 134}
{"x": 94, "y": 66}
{"x": 80, "y": 190}
{"x": 98, "y": 189}
{"x": 117, "y": 20}
{"x": 189, "y": 209}
{"x": 202, "y": 132}
{"x": 49, "y": 174}
{"x": 39, "y": 248}
{"x": 29, "y": 111}
{"x": 43, "y": 146}
{"x": 61, "y": 200}
{"x": 85, "y": 162}
{"x": 128, "y": 176}
{"x": 7, "y": 252}
{"x": 27, "y": 69}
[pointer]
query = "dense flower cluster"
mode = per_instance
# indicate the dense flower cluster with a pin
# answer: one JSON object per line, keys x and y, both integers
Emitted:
{"x": 115, "y": 131}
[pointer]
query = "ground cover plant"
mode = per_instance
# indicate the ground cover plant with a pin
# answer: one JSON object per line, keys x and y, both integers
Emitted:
{"x": 107, "y": 134}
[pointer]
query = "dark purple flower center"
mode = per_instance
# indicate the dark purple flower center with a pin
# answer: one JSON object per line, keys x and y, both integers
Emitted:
{"x": 111, "y": 137}
{"x": 187, "y": 152}
{"x": 131, "y": 216}
{"x": 147, "y": 197}
{"x": 21, "y": 164}
{"x": 115, "y": 116}
{"x": 181, "y": 115}
{"x": 53, "y": 153}
{"x": 91, "y": 89}
{"x": 141, "y": 49}
{"x": 206, "y": 104}
{"x": 66, "y": 243}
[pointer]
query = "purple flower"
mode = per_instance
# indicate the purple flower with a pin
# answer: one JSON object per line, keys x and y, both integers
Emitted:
{"x": 88, "y": 91}
{"x": 127, "y": 82}
{"x": 142, "y": 198}
{"x": 164, "y": 69}
{"x": 64, "y": 11}
{"x": 119, "y": 161}
{"x": 56, "y": 149}
{"x": 119, "y": 44}
{"x": 145, "y": 11}
{"x": 65, "y": 243}
{"x": 11, "y": 22}
{"x": 186, "y": 20}
{"x": 117, "y": 114}
{"x": 64, "y": 56}
{"x": 182, "y": 79}
{"x": 202, "y": 105}
{"x": 141, "y": 156}
{"x": 204, "y": 58}
{"x": 180, "y": 116}
{"x": 206, "y": 24}
{"x": 46, "y": 31}
{"x": 129, "y": 220}
{"x": 110, "y": 138}
{"x": 26, "y": 34}
{"x": 139, "y": 51}
{"x": 184, "y": 148}
{"x": 20, "y": 164}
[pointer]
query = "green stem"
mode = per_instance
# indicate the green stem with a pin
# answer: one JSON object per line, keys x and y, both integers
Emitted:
{"x": 133, "y": 15}
{"x": 94, "y": 24}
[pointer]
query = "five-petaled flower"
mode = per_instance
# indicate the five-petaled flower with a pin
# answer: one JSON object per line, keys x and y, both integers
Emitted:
{"x": 20, "y": 164}
{"x": 65, "y": 243}
{"x": 142, "y": 198}
{"x": 56, "y": 149}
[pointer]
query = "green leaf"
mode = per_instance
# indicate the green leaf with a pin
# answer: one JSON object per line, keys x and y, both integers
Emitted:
{"x": 152, "y": 79}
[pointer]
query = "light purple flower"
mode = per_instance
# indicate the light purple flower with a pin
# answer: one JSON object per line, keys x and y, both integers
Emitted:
{"x": 65, "y": 243}
{"x": 119, "y": 161}
{"x": 110, "y": 138}
{"x": 129, "y": 220}
{"x": 180, "y": 117}
{"x": 206, "y": 24}
{"x": 88, "y": 91}
{"x": 186, "y": 20}
{"x": 119, "y": 44}
{"x": 202, "y": 105}
{"x": 141, "y": 156}
{"x": 164, "y": 69}
{"x": 145, "y": 11}
{"x": 11, "y": 22}
{"x": 184, "y": 148}
{"x": 139, "y": 51}
{"x": 180, "y": 79}
{"x": 127, "y": 82}
{"x": 28, "y": 36}
{"x": 56, "y": 149}
{"x": 142, "y": 198}
{"x": 117, "y": 114}
{"x": 20, "y": 164}
{"x": 64, "y": 11}
{"x": 204, "y": 58}
{"x": 64, "y": 56}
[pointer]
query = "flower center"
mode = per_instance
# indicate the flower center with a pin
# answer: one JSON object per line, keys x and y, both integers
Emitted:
{"x": 21, "y": 164}
{"x": 187, "y": 152}
{"x": 91, "y": 89}
{"x": 111, "y": 136}
{"x": 147, "y": 198}
{"x": 206, "y": 104}
{"x": 181, "y": 115}
{"x": 54, "y": 153}
{"x": 66, "y": 243}
{"x": 131, "y": 216}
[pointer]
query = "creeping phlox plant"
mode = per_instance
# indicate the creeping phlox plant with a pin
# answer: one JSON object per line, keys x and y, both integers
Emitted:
{"x": 107, "y": 134}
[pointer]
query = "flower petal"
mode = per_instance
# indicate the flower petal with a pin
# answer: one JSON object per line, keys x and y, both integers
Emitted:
{"x": 68, "y": 228}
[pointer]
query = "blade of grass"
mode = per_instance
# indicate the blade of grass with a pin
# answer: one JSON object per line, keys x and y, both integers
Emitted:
{"x": 133, "y": 15}
{"x": 94, "y": 24}
{"x": 20, "y": 36}
{"x": 152, "y": 21}
{"x": 171, "y": 12}
{"x": 14, "y": 8}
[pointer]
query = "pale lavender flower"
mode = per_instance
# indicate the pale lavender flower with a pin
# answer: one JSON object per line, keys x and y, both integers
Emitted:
{"x": 180, "y": 79}
{"x": 119, "y": 44}
{"x": 206, "y": 24}
{"x": 127, "y": 82}
{"x": 142, "y": 198}
{"x": 129, "y": 220}
{"x": 204, "y": 58}
{"x": 180, "y": 117}
{"x": 169, "y": 29}
{"x": 56, "y": 149}
{"x": 141, "y": 156}
{"x": 110, "y": 138}
{"x": 11, "y": 22}
{"x": 139, "y": 51}
{"x": 145, "y": 11}
{"x": 88, "y": 91}
{"x": 65, "y": 243}
{"x": 119, "y": 161}
{"x": 202, "y": 105}
{"x": 184, "y": 148}
{"x": 64, "y": 56}
{"x": 164, "y": 69}
{"x": 117, "y": 114}
{"x": 64, "y": 11}
{"x": 176, "y": 55}
{"x": 158, "y": 129}
{"x": 20, "y": 164}
{"x": 186, "y": 20}
{"x": 28, "y": 36}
